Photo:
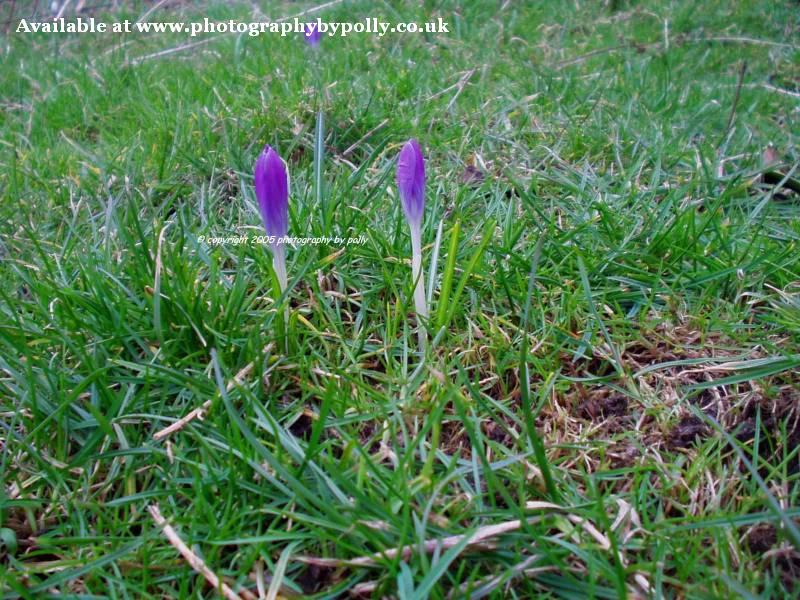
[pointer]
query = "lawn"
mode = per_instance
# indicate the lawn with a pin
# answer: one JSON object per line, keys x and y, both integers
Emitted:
{"x": 604, "y": 401}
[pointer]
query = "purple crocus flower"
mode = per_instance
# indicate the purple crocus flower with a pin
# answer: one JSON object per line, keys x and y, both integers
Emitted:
{"x": 411, "y": 181}
{"x": 411, "y": 186}
{"x": 272, "y": 192}
{"x": 312, "y": 35}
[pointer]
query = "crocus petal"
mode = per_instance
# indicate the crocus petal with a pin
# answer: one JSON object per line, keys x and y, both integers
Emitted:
{"x": 312, "y": 35}
{"x": 411, "y": 181}
{"x": 272, "y": 191}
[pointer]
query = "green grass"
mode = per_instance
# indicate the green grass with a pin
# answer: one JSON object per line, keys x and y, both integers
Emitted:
{"x": 615, "y": 321}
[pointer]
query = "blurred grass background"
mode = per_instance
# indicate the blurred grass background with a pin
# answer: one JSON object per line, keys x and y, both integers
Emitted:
{"x": 611, "y": 378}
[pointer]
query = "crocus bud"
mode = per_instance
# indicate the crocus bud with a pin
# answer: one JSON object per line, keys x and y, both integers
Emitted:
{"x": 313, "y": 35}
{"x": 411, "y": 181}
{"x": 411, "y": 187}
{"x": 272, "y": 192}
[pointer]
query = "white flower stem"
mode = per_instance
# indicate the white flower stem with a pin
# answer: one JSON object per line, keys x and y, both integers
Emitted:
{"x": 419, "y": 278}
{"x": 279, "y": 264}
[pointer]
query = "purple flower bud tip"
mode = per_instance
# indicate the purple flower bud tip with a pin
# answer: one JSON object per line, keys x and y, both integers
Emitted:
{"x": 272, "y": 192}
{"x": 313, "y": 36}
{"x": 411, "y": 181}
